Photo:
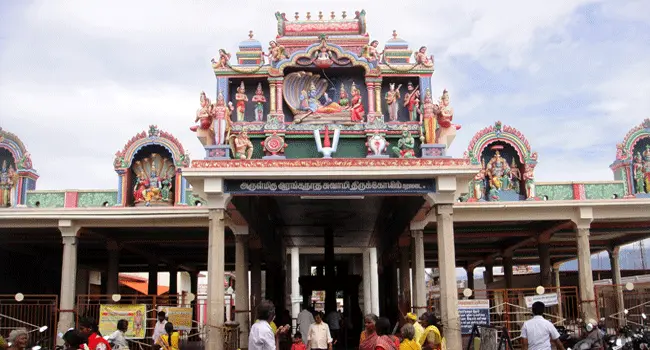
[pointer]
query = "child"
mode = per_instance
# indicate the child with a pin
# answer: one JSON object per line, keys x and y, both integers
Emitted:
{"x": 297, "y": 342}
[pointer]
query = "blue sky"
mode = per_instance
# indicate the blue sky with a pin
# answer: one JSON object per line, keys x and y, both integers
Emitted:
{"x": 79, "y": 78}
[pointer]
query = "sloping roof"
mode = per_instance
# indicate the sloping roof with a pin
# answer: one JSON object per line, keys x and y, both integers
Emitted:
{"x": 141, "y": 285}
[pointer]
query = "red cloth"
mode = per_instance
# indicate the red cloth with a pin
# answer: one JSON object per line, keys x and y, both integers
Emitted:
{"x": 95, "y": 342}
{"x": 387, "y": 342}
{"x": 298, "y": 346}
{"x": 356, "y": 114}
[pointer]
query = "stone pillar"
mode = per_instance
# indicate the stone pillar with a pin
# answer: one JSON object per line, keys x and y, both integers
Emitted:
{"x": 507, "y": 270}
{"x": 616, "y": 280}
{"x": 378, "y": 98}
{"x": 586, "y": 279}
{"x": 194, "y": 288}
{"x": 374, "y": 281}
{"x": 295, "y": 284}
{"x": 489, "y": 273}
{"x": 447, "y": 267}
{"x": 216, "y": 262}
{"x": 241, "y": 291}
{"x": 419, "y": 285}
{"x": 405, "y": 273}
{"x": 370, "y": 88}
{"x": 113, "y": 271}
{"x": 367, "y": 302}
{"x": 153, "y": 278}
{"x": 545, "y": 270}
{"x": 69, "y": 234}
{"x": 470, "y": 278}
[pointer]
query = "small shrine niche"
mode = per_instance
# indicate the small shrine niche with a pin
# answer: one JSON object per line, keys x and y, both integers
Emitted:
{"x": 632, "y": 164}
{"x": 8, "y": 178}
{"x": 16, "y": 173}
{"x": 250, "y": 100}
{"x": 150, "y": 170}
{"x": 503, "y": 170}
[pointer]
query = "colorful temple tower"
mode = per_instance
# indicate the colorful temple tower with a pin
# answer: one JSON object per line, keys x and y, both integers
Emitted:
{"x": 17, "y": 175}
{"x": 632, "y": 164}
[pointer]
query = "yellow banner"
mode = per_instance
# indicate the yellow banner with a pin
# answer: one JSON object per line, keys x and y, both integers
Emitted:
{"x": 181, "y": 317}
{"x": 136, "y": 315}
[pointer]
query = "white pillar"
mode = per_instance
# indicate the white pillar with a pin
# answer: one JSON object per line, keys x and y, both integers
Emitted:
{"x": 419, "y": 285}
{"x": 296, "y": 299}
{"x": 241, "y": 291}
{"x": 367, "y": 303}
{"x": 447, "y": 267}
{"x": 616, "y": 280}
{"x": 586, "y": 279}
{"x": 374, "y": 281}
{"x": 216, "y": 262}
{"x": 68, "y": 277}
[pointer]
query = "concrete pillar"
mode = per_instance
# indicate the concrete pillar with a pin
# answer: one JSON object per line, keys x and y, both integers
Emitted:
{"x": 295, "y": 284}
{"x": 173, "y": 281}
{"x": 216, "y": 262}
{"x": 586, "y": 280}
{"x": 507, "y": 270}
{"x": 367, "y": 302}
{"x": 489, "y": 273}
{"x": 470, "y": 278}
{"x": 69, "y": 234}
{"x": 447, "y": 267}
{"x": 545, "y": 270}
{"x": 419, "y": 285}
{"x": 113, "y": 271}
{"x": 616, "y": 280}
{"x": 374, "y": 281}
{"x": 194, "y": 287}
{"x": 405, "y": 274}
{"x": 556, "y": 273}
{"x": 241, "y": 287}
{"x": 153, "y": 278}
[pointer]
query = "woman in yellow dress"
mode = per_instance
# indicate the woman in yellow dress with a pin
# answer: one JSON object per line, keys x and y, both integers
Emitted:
{"x": 170, "y": 340}
{"x": 432, "y": 338}
{"x": 408, "y": 338}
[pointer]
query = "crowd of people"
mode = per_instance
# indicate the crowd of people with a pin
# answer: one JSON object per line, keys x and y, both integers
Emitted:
{"x": 315, "y": 331}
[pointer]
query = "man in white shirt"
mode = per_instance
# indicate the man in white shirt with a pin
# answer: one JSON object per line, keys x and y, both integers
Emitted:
{"x": 537, "y": 333}
{"x": 305, "y": 319}
{"x": 334, "y": 322}
{"x": 261, "y": 336}
{"x": 160, "y": 326}
{"x": 319, "y": 337}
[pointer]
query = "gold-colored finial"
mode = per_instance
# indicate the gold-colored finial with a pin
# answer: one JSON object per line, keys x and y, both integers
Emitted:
{"x": 320, "y": 15}
{"x": 333, "y": 15}
{"x": 297, "y": 16}
{"x": 345, "y": 14}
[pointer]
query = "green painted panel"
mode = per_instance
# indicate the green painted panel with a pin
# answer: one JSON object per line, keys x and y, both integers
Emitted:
{"x": 604, "y": 190}
{"x": 554, "y": 192}
{"x": 45, "y": 199}
{"x": 96, "y": 199}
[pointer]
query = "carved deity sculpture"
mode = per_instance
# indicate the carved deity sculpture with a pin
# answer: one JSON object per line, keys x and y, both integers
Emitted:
{"x": 221, "y": 123}
{"x": 259, "y": 100}
{"x": 412, "y": 101}
{"x": 639, "y": 176}
{"x": 477, "y": 186}
{"x": 422, "y": 58}
{"x": 429, "y": 119}
{"x": 405, "y": 145}
{"x": 377, "y": 144}
{"x": 241, "y": 99}
{"x": 223, "y": 61}
{"x": 529, "y": 180}
{"x": 370, "y": 52}
{"x": 646, "y": 167}
{"x": 8, "y": 182}
{"x": 498, "y": 172}
{"x": 204, "y": 128}
{"x": 446, "y": 130}
{"x": 515, "y": 176}
{"x": 357, "y": 111}
{"x": 241, "y": 146}
{"x": 392, "y": 100}
{"x": 154, "y": 181}
{"x": 344, "y": 101}
{"x": 276, "y": 53}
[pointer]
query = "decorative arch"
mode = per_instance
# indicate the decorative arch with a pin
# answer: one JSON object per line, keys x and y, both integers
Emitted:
{"x": 341, "y": 55}
{"x": 623, "y": 166}
{"x": 124, "y": 159}
{"x": 19, "y": 175}
{"x": 503, "y": 133}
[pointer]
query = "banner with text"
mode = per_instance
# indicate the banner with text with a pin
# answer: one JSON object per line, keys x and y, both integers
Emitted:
{"x": 329, "y": 187}
{"x": 180, "y": 317}
{"x": 136, "y": 315}
{"x": 548, "y": 299}
{"x": 476, "y": 311}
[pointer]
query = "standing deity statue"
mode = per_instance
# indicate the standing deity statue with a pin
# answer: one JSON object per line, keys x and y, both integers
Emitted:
{"x": 241, "y": 99}
{"x": 638, "y": 172}
{"x": 358, "y": 111}
{"x": 259, "y": 100}
{"x": 276, "y": 52}
{"x": 646, "y": 167}
{"x": 221, "y": 114}
{"x": 241, "y": 146}
{"x": 5, "y": 189}
{"x": 344, "y": 101}
{"x": 429, "y": 119}
{"x": 165, "y": 191}
{"x": 498, "y": 171}
{"x": 529, "y": 180}
{"x": 392, "y": 98}
{"x": 477, "y": 185}
{"x": 203, "y": 116}
{"x": 405, "y": 145}
{"x": 446, "y": 129}
{"x": 412, "y": 101}
{"x": 141, "y": 184}
{"x": 222, "y": 62}
{"x": 515, "y": 176}
{"x": 422, "y": 58}
{"x": 370, "y": 52}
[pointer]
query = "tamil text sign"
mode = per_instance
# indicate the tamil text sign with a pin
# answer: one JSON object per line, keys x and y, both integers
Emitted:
{"x": 548, "y": 299}
{"x": 473, "y": 312}
{"x": 180, "y": 317}
{"x": 325, "y": 187}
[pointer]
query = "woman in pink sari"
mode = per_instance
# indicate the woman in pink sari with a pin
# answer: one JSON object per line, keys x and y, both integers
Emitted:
{"x": 386, "y": 341}
{"x": 368, "y": 340}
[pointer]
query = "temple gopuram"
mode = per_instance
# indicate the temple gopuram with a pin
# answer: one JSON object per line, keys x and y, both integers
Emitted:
{"x": 325, "y": 174}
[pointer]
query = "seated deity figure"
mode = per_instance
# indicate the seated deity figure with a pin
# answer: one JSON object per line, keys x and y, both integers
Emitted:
{"x": 370, "y": 52}
{"x": 498, "y": 172}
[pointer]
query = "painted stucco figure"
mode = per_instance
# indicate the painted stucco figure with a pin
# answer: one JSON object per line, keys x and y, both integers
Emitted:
{"x": 370, "y": 52}
{"x": 222, "y": 61}
{"x": 8, "y": 182}
{"x": 392, "y": 101}
{"x": 405, "y": 145}
{"x": 276, "y": 53}
{"x": 498, "y": 172}
{"x": 412, "y": 101}
{"x": 477, "y": 186}
{"x": 221, "y": 123}
{"x": 429, "y": 119}
{"x": 639, "y": 176}
{"x": 154, "y": 180}
{"x": 446, "y": 129}
{"x": 377, "y": 144}
{"x": 344, "y": 101}
{"x": 259, "y": 100}
{"x": 358, "y": 112}
{"x": 529, "y": 180}
{"x": 422, "y": 58}
{"x": 241, "y": 146}
{"x": 241, "y": 99}
{"x": 515, "y": 176}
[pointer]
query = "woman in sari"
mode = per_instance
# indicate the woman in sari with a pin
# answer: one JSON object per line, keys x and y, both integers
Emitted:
{"x": 408, "y": 336}
{"x": 432, "y": 338}
{"x": 368, "y": 340}
{"x": 386, "y": 341}
{"x": 169, "y": 341}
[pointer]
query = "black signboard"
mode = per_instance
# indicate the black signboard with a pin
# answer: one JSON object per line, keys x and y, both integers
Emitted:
{"x": 473, "y": 312}
{"x": 329, "y": 187}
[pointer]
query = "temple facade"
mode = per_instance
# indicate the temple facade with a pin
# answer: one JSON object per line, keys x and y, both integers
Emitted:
{"x": 326, "y": 151}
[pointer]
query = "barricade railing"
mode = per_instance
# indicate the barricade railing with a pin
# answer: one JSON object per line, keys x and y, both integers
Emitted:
{"x": 635, "y": 301}
{"x": 36, "y": 313}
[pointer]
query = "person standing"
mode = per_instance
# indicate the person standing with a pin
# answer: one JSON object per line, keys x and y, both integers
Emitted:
{"x": 386, "y": 341}
{"x": 412, "y": 319}
{"x": 262, "y": 336}
{"x": 368, "y": 339}
{"x": 334, "y": 322}
{"x": 408, "y": 338}
{"x": 319, "y": 337}
{"x": 118, "y": 339}
{"x": 89, "y": 329}
{"x": 169, "y": 340}
{"x": 538, "y": 333}
{"x": 305, "y": 319}
{"x": 159, "y": 329}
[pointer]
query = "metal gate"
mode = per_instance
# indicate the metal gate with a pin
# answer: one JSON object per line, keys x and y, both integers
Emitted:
{"x": 36, "y": 313}
{"x": 635, "y": 301}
